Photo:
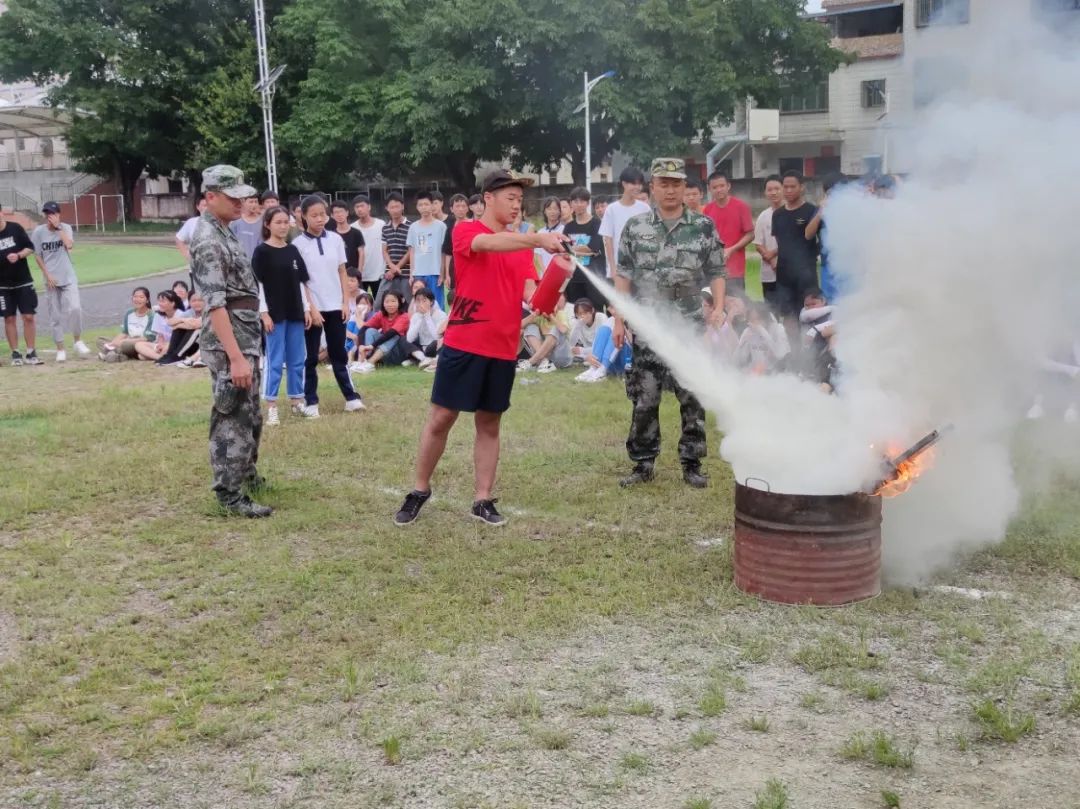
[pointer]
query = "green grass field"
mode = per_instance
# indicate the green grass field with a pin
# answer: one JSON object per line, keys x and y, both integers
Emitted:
{"x": 95, "y": 263}
{"x": 592, "y": 653}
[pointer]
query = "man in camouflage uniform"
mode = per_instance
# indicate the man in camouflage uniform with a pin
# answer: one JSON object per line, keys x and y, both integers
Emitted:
{"x": 666, "y": 255}
{"x": 230, "y": 341}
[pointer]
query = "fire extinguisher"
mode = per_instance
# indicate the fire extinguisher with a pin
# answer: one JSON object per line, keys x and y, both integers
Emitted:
{"x": 556, "y": 276}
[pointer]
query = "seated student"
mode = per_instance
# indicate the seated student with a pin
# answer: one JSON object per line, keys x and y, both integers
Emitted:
{"x": 604, "y": 357}
{"x": 583, "y": 330}
{"x": 818, "y": 363}
{"x": 168, "y": 314}
{"x": 763, "y": 345}
{"x": 136, "y": 326}
{"x": 722, "y": 340}
{"x": 422, "y": 340}
{"x": 183, "y": 292}
{"x": 546, "y": 341}
{"x": 1059, "y": 388}
{"x": 383, "y": 337}
{"x": 361, "y": 313}
{"x": 184, "y": 341}
{"x": 415, "y": 286}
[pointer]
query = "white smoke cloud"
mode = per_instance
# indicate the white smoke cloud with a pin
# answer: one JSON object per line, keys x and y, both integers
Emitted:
{"x": 957, "y": 287}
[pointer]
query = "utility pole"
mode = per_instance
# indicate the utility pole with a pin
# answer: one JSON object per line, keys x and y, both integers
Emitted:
{"x": 265, "y": 88}
{"x": 588, "y": 85}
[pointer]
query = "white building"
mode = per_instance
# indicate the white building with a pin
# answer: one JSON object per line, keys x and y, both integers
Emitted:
{"x": 905, "y": 53}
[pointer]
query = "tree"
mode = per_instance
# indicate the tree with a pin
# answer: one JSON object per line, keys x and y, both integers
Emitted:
{"x": 128, "y": 71}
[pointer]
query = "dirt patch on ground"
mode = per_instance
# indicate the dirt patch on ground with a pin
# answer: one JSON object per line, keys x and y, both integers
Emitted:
{"x": 644, "y": 714}
{"x": 9, "y": 638}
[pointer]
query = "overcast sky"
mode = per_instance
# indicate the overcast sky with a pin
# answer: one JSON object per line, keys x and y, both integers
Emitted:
{"x": 813, "y": 5}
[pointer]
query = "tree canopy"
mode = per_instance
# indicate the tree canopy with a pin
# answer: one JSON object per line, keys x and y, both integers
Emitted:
{"x": 401, "y": 85}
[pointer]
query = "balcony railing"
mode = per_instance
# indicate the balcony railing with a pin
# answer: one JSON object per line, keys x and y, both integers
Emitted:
{"x": 34, "y": 161}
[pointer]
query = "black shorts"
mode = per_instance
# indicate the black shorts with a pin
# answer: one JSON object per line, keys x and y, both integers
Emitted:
{"x": 469, "y": 382}
{"x": 787, "y": 300}
{"x": 22, "y": 300}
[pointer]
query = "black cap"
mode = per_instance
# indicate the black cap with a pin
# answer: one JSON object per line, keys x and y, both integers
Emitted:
{"x": 50, "y": 207}
{"x": 503, "y": 178}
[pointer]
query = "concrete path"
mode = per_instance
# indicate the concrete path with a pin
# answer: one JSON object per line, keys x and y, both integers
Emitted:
{"x": 105, "y": 304}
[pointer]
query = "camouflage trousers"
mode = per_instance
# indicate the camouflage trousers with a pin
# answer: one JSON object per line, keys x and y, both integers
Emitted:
{"x": 646, "y": 381}
{"x": 235, "y": 426}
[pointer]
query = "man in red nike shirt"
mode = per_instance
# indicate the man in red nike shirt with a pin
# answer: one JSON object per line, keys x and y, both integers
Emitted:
{"x": 734, "y": 226}
{"x": 494, "y": 274}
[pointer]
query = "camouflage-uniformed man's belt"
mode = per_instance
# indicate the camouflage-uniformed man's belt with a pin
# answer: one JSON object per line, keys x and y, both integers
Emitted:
{"x": 242, "y": 303}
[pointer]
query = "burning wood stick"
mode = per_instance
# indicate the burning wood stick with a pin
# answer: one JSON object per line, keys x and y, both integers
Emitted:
{"x": 904, "y": 467}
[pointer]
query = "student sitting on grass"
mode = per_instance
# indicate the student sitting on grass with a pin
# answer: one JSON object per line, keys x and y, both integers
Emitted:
{"x": 583, "y": 332}
{"x": 605, "y": 358}
{"x": 136, "y": 326}
{"x": 763, "y": 345}
{"x": 168, "y": 314}
{"x": 184, "y": 342}
{"x": 361, "y": 313}
{"x": 722, "y": 340}
{"x": 546, "y": 341}
{"x": 818, "y": 362}
{"x": 426, "y": 325}
{"x": 383, "y": 338}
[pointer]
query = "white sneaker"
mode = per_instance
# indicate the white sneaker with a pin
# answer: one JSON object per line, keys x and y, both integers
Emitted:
{"x": 586, "y": 375}
{"x": 310, "y": 411}
{"x": 425, "y": 362}
{"x": 1072, "y": 415}
{"x": 525, "y": 365}
{"x": 431, "y": 368}
{"x": 61, "y": 356}
{"x": 272, "y": 419}
{"x": 297, "y": 408}
{"x": 355, "y": 366}
{"x": 82, "y": 349}
{"x": 408, "y": 364}
{"x": 597, "y": 375}
{"x": 364, "y": 368}
{"x": 546, "y": 367}
{"x": 355, "y": 405}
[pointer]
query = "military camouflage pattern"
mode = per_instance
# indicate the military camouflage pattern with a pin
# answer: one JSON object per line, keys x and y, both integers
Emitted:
{"x": 645, "y": 382}
{"x": 221, "y": 271}
{"x": 673, "y": 167}
{"x": 671, "y": 265}
{"x": 229, "y": 180}
{"x": 235, "y": 428}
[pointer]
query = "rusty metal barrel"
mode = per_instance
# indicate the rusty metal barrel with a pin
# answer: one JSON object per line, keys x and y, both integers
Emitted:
{"x": 807, "y": 549}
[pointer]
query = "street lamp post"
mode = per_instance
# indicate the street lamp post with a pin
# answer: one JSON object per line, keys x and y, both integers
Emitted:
{"x": 265, "y": 88}
{"x": 588, "y": 85}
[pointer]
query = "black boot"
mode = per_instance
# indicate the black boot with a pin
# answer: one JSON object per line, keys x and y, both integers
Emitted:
{"x": 692, "y": 474}
{"x": 642, "y": 473}
{"x": 244, "y": 506}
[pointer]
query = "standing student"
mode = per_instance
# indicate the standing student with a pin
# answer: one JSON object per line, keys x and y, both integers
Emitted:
{"x": 587, "y": 244}
{"x": 353, "y": 237}
{"x": 600, "y": 206}
{"x": 370, "y": 228}
{"x": 830, "y": 284}
{"x": 764, "y": 240}
{"x": 566, "y": 211}
{"x": 187, "y": 230}
{"x": 476, "y": 368}
{"x": 52, "y": 251}
{"x": 230, "y": 339}
{"x": 459, "y": 212}
{"x": 269, "y": 199}
{"x": 425, "y": 242}
{"x": 735, "y": 227}
{"x": 395, "y": 237}
{"x": 283, "y": 304}
{"x": 551, "y": 211}
{"x": 248, "y": 228}
{"x": 437, "y": 211}
{"x": 693, "y": 197}
{"x": 17, "y": 295}
{"x": 796, "y": 258}
{"x": 323, "y": 253}
{"x": 619, "y": 212}
{"x": 476, "y": 206}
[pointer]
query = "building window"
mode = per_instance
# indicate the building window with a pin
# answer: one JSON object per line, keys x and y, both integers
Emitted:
{"x": 873, "y": 93}
{"x": 791, "y": 164}
{"x": 942, "y": 12}
{"x": 812, "y": 99}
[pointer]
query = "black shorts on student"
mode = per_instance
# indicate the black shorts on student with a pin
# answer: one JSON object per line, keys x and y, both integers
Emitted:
{"x": 469, "y": 382}
{"x": 787, "y": 299}
{"x": 18, "y": 300}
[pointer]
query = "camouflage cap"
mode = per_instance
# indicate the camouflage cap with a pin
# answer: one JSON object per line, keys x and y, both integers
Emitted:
{"x": 229, "y": 180}
{"x": 502, "y": 178}
{"x": 673, "y": 167}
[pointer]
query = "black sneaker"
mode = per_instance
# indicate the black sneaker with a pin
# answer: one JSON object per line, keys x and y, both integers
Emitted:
{"x": 33, "y": 359}
{"x": 485, "y": 511}
{"x": 16, "y": 359}
{"x": 410, "y": 509}
{"x": 642, "y": 473}
{"x": 694, "y": 477}
{"x": 244, "y": 506}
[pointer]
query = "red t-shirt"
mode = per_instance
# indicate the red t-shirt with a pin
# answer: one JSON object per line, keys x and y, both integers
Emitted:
{"x": 733, "y": 221}
{"x": 398, "y": 323}
{"x": 486, "y": 316}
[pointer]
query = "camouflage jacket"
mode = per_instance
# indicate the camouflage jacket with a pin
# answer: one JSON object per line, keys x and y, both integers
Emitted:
{"x": 222, "y": 272}
{"x": 673, "y": 265}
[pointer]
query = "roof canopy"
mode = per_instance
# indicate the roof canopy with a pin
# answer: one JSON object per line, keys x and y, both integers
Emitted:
{"x": 33, "y": 121}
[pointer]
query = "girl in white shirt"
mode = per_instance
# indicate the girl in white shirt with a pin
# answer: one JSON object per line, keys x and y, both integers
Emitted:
{"x": 324, "y": 256}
